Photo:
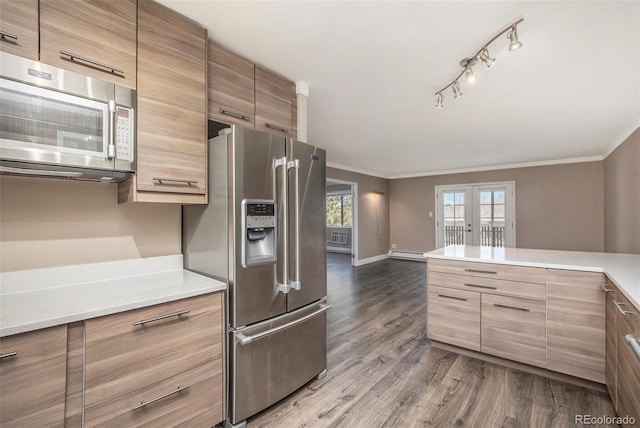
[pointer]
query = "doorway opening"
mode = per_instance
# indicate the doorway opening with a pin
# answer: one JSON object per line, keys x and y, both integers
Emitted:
{"x": 342, "y": 217}
{"x": 476, "y": 214}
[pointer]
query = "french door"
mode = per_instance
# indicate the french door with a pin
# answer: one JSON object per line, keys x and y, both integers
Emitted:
{"x": 479, "y": 214}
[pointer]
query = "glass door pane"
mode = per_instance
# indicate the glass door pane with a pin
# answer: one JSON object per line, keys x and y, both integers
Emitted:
{"x": 454, "y": 217}
{"x": 494, "y": 225}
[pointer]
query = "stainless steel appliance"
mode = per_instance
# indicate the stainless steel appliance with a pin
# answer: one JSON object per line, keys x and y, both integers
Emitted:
{"x": 264, "y": 232}
{"x": 57, "y": 123}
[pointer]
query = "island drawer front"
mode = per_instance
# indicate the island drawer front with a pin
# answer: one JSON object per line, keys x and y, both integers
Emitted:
{"x": 32, "y": 378}
{"x": 190, "y": 399}
{"x": 527, "y": 290}
{"x": 454, "y": 317}
{"x": 514, "y": 328}
{"x": 124, "y": 353}
{"x": 489, "y": 270}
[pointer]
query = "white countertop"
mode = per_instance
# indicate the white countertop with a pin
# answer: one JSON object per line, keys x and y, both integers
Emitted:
{"x": 622, "y": 269}
{"x": 34, "y": 299}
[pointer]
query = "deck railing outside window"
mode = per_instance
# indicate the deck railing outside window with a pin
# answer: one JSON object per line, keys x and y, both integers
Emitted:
{"x": 489, "y": 236}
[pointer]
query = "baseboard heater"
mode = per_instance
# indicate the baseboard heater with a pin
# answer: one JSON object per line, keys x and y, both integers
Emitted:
{"x": 408, "y": 255}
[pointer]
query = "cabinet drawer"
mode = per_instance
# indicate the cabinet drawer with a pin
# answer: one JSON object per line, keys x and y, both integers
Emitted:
{"x": 32, "y": 381}
{"x": 576, "y": 312}
{"x": 19, "y": 19}
{"x": 527, "y": 290}
{"x": 489, "y": 270}
{"x": 627, "y": 361}
{"x": 453, "y": 316}
{"x": 192, "y": 399}
{"x": 123, "y": 354}
{"x": 514, "y": 328}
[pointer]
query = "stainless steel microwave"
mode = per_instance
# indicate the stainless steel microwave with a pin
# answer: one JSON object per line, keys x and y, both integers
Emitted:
{"x": 64, "y": 124}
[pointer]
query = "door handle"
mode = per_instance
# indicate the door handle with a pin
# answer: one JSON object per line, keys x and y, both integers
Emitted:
{"x": 282, "y": 162}
{"x": 245, "y": 340}
{"x": 295, "y": 164}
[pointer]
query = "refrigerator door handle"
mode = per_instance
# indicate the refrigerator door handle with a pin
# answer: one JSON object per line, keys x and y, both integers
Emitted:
{"x": 245, "y": 340}
{"x": 282, "y": 162}
{"x": 295, "y": 164}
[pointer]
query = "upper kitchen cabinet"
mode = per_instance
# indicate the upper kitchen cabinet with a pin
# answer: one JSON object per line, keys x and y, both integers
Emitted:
{"x": 92, "y": 37}
{"x": 231, "y": 87}
{"x": 273, "y": 102}
{"x": 172, "y": 109}
{"x": 19, "y": 27}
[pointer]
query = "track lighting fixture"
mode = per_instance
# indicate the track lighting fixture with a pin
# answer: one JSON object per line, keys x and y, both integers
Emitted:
{"x": 456, "y": 90}
{"x": 483, "y": 55}
{"x": 514, "y": 43}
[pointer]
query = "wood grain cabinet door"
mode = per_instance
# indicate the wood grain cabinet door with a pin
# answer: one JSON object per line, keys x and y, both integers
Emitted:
{"x": 172, "y": 102}
{"x": 92, "y": 37}
{"x": 514, "y": 328}
{"x": 628, "y": 362}
{"x": 273, "y": 102}
{"x": 231, "y": 87}
{"x": 576, "y": 335}
{"x": 32, "y": 378}
{"x": 611, "y": 344}
{"x": 19, "y": 27}
{"x": 453, "y": 316}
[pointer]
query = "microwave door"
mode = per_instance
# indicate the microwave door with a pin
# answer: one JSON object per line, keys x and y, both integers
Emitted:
{"x": 43, "y": 126}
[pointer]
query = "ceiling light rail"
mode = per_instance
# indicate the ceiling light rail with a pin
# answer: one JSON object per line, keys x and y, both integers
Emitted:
{"x": 481, "y": 55}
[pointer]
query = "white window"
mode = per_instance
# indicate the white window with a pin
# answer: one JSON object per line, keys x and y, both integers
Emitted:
{"x": 476, "y": 214}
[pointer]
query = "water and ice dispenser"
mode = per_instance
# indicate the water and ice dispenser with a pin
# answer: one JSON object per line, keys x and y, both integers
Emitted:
{"x": 259, "y": 230}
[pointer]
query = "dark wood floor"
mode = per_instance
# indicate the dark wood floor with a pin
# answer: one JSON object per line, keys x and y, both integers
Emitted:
{"x": 382, "y": 371}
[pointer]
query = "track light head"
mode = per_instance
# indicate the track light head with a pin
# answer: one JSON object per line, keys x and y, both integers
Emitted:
{"x": 469, "y": 75}
{"x": 514, "y": 43}
{"x": 486, "y": 58}
{"x": 457, "y": 93}
{"x": 439, "y": 101}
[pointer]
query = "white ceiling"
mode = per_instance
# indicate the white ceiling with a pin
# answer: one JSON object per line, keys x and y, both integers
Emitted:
{"x": 571, "y": 92}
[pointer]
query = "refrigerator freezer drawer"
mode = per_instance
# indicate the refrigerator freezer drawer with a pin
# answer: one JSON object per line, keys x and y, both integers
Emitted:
{"x": 272, "y": 359}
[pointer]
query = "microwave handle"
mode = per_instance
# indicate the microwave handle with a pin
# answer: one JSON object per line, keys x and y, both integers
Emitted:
{"x": 111, "y": 148}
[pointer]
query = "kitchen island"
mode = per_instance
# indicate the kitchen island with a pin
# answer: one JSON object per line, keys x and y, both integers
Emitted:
{"x": 574, "y": 316}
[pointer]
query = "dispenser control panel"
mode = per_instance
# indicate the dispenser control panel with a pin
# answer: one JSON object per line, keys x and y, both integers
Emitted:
{"x": 260, "y": 215}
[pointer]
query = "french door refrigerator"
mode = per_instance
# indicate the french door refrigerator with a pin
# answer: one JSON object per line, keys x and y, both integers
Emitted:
{"x": 263, "y": 232}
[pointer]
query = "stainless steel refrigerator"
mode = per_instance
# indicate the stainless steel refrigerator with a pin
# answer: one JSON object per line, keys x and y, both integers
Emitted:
{"x": 264, "y": 233}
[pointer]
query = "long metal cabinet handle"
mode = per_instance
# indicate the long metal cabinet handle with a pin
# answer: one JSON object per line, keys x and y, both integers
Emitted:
{"x": 73, "y": 57}
{"x": 5, "y": 35}
{"x": 634, "y": 342}
{"x": 8, "y": 354}
{"x": 162, "y": 180}
{"x": 245, "y": 340}
{"x": 452, "y": 297}
{"x": 295, "y": 164}
{"x": 277, "y": 128}
{"x": 500, "y": 305}
{"x": 282, "y": 162}
{"x": 481, "y": 271}
{"x": 619, "y": 306}
{"x": 481, "y": 286}
{"x": 168, "y": 394}
{"x": 234, "y": 114}
{"x": 605, "y": 289}
{"x": 162, "y": 317}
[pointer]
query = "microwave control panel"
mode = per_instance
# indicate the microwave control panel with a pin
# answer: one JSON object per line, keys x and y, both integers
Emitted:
{"x": 124, "y": 133}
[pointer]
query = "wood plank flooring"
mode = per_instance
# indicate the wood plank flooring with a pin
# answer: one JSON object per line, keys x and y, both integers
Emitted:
{"x": 382, "y": 371}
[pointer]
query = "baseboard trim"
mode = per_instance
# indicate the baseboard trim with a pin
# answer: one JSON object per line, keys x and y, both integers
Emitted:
{"x": 371, "y": 260}
{"x": 523, "y": 367}
{"x": 407, "y": 255}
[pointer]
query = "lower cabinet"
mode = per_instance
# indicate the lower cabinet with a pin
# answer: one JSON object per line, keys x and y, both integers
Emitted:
{"x": 32, "y": 378}
{"x": 160, "y": 363}
{"x": 625, "y": 357}
{"x": 514, "y": 328}
{"x": 454, "y": 317}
